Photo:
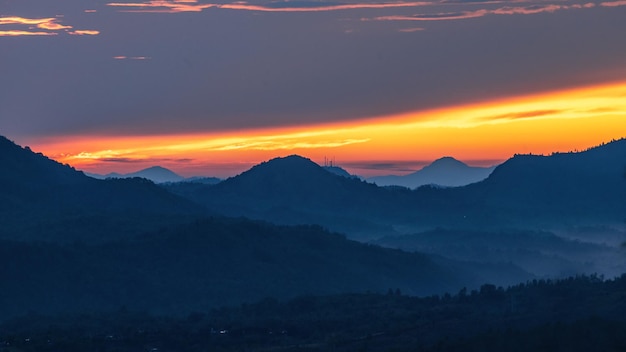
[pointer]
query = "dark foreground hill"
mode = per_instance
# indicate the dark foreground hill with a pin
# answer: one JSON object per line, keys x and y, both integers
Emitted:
{"x": 44, "y": 200}
{"x": 577, "y": 314}
{"x": 210, "y": 263}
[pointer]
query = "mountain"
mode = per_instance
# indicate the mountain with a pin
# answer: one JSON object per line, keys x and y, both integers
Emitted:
{"x": 206, "y": 264}
{"x": 295, "y": 190}
{"x": 561, "y": 191}
{"x": 571, "y": 189}
{"x": 42, "y": 199}
{"x": 446, "y": 171}
{"x": 569, "y": 197}
{"x": 155, "y": 174}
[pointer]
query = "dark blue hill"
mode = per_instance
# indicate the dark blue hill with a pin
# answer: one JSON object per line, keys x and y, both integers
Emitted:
{"x": 42, "y": 199}
{"x": 207, "y": 264}
{"x": 560, "y": 191}
{"x": 295, "y": 190}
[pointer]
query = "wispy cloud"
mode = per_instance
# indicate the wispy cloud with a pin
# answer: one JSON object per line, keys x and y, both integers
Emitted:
{"x": 614, "y": 3}
{"x": 84, "y": 32}
{"x": 411, "y": 30}
{"x": 174, "y": 6}
{"x": 532, "y": 114}
{"x": 121, "y": 57}
{"x": 171, "y": 6}
{"x": 51, "y": 25}
{"x": 506, "y": 10}
{"x": 161, "y": 149}
{"x": 17, "y": 33}
{"x": 289, "y": 144}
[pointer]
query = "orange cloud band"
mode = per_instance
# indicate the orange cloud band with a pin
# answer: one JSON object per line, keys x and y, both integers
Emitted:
{"x": 50, "y": 24}
{"x": 495, "y": 130}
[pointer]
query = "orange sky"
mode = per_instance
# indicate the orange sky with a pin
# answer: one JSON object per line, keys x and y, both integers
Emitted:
{"x": 481, "y": 133}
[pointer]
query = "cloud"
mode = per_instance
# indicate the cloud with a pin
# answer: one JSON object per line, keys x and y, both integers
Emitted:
{"x": 122, "y": 57}
{"x": 288, "y": 144}
{"x": 84, "y": 32}
{"x": 411, "y": 30}
{"x": 43, "y": 23}
{"x": 118, "y": 160}
{"x": 148, "y": 159}
{"x": 15, "y": 33}
{"x": 175, "y": 6}
{"x": 526, "y": 115}
{"x": 506, "y": 10}
{"x": 171, "y": 6}
{"x": 50, "y": 24}
{"x": 614, "y": 3}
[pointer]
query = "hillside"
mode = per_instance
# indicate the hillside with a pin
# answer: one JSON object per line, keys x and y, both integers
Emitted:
{"x": 206, "y": 264}
{"x": 295, "y": 190}
{"x": 558, "y": 192}
{"x": 576, "y": 314}
{"x": 42, "y": 199}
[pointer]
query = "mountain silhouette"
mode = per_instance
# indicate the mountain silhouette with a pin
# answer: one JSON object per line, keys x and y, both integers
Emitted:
{"x": 38, "y": 193}
{"x": 560, "y": 191}
{"x": 445, "y": 171}
{"x": 295, "y": 190}
{"x": 580, "y": 188}
{"x": 156, "y": 174}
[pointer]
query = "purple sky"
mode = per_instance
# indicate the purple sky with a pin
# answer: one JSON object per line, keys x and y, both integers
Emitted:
{"x": 232, "y": 65}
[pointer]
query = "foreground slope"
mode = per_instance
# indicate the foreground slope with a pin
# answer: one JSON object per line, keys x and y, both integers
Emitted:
{"x": 209, "y": 263}
{"x": 577, "y": 314}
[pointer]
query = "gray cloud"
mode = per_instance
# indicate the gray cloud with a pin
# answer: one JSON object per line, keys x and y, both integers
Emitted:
{"x": 256, "y": 69}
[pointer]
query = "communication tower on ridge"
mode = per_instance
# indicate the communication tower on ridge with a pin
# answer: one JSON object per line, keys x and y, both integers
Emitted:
{"x": 329, "y": 162}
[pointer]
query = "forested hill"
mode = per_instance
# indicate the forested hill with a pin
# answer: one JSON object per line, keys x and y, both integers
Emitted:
{"x": 560, "y": 191}
{"x": 209, "y": 263}
{"x": 583, "y": 187}
{"x": 576, "y": 314}
{"x": 41, "y": 199}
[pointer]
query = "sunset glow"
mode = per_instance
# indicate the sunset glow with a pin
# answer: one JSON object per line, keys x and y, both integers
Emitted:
{"x": 480, "y": 133}
{"x": 35, "y": 25}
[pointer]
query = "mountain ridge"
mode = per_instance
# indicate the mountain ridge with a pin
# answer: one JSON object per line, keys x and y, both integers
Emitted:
{"x": 156, "y": 174}
{"x": 446, "y": 171}
{"x": 39, "y": 193}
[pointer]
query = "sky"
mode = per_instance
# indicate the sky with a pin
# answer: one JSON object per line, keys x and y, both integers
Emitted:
{"x": 213, "y": 87}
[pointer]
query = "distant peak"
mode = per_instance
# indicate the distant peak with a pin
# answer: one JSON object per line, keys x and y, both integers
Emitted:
{"x": 448, "y": 160}
{"x": 156, "y": 169}
{"x": 289, "y": 160}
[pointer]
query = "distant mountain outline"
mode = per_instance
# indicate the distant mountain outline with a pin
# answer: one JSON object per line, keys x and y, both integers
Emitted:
{"x": 157, "y": 174}
{"x": 446, "y": 171}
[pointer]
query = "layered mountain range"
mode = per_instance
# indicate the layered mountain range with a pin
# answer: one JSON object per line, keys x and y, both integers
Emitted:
{"x": 178, "y": 247}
